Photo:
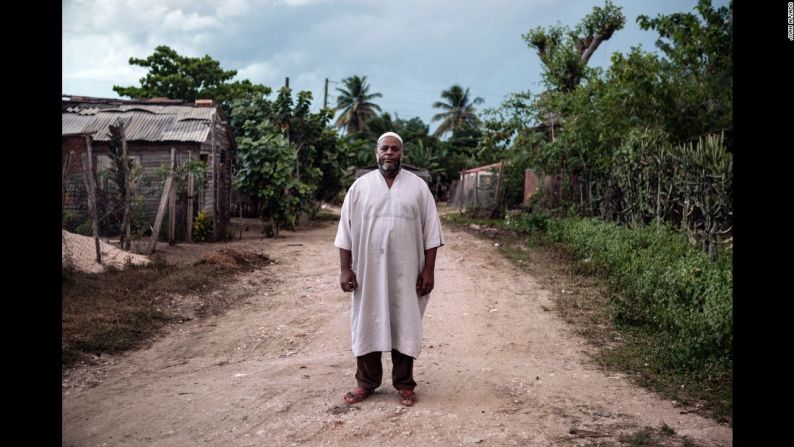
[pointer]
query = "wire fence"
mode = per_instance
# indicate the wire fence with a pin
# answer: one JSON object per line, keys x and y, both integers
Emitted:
{"x": 180, "y": 210}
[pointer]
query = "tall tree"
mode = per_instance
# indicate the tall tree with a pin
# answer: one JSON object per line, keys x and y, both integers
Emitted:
{"x": 565, "y": 52}
{"x": 377, "y": 125}
{"x": 699, "y": 68}
{"x": 174, "y": 76}
{"x": 458, "y": 110}
{"x": 409, "y": 130}
{"x": 355, "y": 103}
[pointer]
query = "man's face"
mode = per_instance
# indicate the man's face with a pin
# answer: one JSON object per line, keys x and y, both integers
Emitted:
{"x": 390, "y": 152}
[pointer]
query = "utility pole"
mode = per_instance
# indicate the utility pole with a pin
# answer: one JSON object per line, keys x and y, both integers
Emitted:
{"x": 216, "y": 220}
{"x": 325, "y": 96}
{"x": 286, "y": 82}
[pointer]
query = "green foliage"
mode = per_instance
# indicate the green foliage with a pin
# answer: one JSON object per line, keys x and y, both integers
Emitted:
{"x": 565, "y": 52}
{"x": 689, "y": 185}
{"x": 698, "y": 68}
{"x": 522, "y": 221}
{"x": 356, "y": 152}
{"x": 174, "y": 76}
{"x": 140, "y": 219}
{"x": 293, "y": 174}
{"x": 266, "y": 164}
{"x": 193, "y": 166}
{"x": 661, "y": 283}
{"x": 75, "y": 223}
{"x": 288, "y": 159}
{"x": 422, "y": 155}
{"x": 178, "y": 77}
{"x": 202, "y": 227}
{"x": 458, "y": 110}
{"x": 355, "y": 103}
{"x": 505, "y": 126}
{"x": 637, "y": 142}
{"x": 411, "y": 131}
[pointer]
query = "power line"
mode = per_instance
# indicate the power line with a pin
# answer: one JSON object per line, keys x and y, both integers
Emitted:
{"x": 420, "y": 90}
{"x": 406, "y": 102}
{"x": 317, "y": 107}
{"x": 432, "y": 91}
{"x": 379, "y": 100}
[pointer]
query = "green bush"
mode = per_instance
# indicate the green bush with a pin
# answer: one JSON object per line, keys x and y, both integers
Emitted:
{"x": 202, "y": 227}
{"x": 522, "y": 221}
{"x": 75, "y": 222}
{"x": 663, "y": 284}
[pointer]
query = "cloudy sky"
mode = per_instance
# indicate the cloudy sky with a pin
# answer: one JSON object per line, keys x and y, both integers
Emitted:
{"x": 410, "y": 50}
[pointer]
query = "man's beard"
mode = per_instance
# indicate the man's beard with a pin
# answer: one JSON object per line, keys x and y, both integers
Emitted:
{"x": 393, "y": 167}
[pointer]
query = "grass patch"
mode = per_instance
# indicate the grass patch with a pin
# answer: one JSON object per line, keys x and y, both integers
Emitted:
{"x": 118, "y": 310}
{"x": 707, "y": 392}
{"x": 652, "y": 436}
{"x": 585, "y": 298}
{"x": 326, "y": 216}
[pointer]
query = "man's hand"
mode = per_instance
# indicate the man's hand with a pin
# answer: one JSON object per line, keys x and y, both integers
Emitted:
{"x": 348, "y": 280}
{"x": 424, "y": 284}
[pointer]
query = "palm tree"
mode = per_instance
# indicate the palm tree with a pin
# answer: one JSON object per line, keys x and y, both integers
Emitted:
{"x": 458, "y": 111}
{"x": 355, "y": 104}
{"x": 377, "y": 125}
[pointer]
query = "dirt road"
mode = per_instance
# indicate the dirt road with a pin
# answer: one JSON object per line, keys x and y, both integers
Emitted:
{"x": 497, "y": 368}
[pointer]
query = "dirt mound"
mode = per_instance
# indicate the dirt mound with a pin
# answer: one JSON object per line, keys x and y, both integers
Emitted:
{"x": 78, "y": 253}
{"x": 232, "y": 258}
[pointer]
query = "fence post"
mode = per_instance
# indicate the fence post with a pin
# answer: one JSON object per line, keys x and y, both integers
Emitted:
{"x": 158, "y": 221}
{"x": 172, "y": 203}
{"x": 215, "y": 195}
{"x": 499, "y": 182}
{"x": 127, "y": 200}
{"x": 65, "y": 169}
{"x": 190, "y": 187}
{"x": 91, "y": 185}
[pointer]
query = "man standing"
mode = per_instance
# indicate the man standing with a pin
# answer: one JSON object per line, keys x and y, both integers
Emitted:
{"x": 388, "y": 235}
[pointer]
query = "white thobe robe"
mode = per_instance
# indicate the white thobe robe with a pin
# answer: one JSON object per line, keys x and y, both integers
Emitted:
{"x": 387, "y": 230}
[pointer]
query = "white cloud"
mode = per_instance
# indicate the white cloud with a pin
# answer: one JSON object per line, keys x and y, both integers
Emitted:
{"x": 402, "y": 45}
{"x": 296, "y": 3}
{"x": 257, "y": 71}
{"x": 232, "y": 8}
{"x": 176, "y": 19}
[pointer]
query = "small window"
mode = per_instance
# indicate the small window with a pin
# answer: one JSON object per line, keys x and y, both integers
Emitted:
{"x": 223, "y": 155}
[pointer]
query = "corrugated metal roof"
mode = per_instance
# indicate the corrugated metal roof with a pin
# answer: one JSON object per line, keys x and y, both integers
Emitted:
{"x": 73, "y": 124}
{"x": 144, "y": 122}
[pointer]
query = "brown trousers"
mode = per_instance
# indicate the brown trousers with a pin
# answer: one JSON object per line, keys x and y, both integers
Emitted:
{"x": 369, "y": 371}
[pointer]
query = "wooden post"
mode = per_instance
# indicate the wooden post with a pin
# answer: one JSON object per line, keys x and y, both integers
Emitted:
{"x": 158, "y": 221}
{"x": 215, "y": 196}
{"x": 65, "y": 170}
{"x": 127, "y": 200}
{"x": 202, "y": 196}
{"x": 172, "y": 203}
{"x": 476, "y": 188}
{"x": 89, "y": 173}
{"x": 499, "y": 181}
{"x": 190, "y": 188}
{"x": 463, "y": 195}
